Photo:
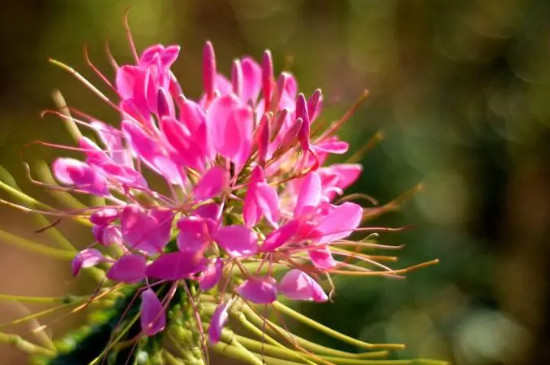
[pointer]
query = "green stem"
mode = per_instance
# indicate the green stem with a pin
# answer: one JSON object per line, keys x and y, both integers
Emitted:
{"x": 330, "y": 332}
{"x": 21, "y": 344}
{"x": 306, "y": 344}
{"x": 31, "y": 246}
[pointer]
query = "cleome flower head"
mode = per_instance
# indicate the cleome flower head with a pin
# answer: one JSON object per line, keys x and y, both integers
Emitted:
{"x": 245, "y": 185}
{"x": 225, "y": 201}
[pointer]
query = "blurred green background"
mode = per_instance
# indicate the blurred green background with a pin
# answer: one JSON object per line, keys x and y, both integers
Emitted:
{"x": 461, "y": 90}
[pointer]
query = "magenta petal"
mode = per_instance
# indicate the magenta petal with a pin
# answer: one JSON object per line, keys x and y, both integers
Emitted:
{"x": 259, "y": 290}
{"x": 231, "y": 128}
{"x": 251, "y": 211}
{"x": 150, "y": 151}
{"x": 107, "y": 235}
{"x": 128, "y": 269}
{"x": 322, "y": 258}
{"x": 86, "y": 258}
{"x": 237, "y": 241}
{"x": 268, "y": 202}
{"x": 213, "y": 182}
{"x": 339, "y": 222}
{"x": 94, "y": 154}
{"x": 73, "y": 172}
{"x": 338, "y": 176}
{"x": 212, "y": 275}
{"x": 175, "y": 266}
{"x": 218, "y": 321}
{"x": 298, "y": 285}
{"x": 153, "y": 317}
{"x": 332, "y": 146}
{"x": 146, "y": 230}
{"x": 104, "y": 216}
{"x": 280, "y": 236}
{"x": 188, "y": 151}
{"x": 238, "y": 137}
{"x": 260, "y": 200}
{"x": 194, "y": 234}
{"x": 252, "y": 79}
{"x": 112, "y": 139}
{"x": 310, "y": 193}
{"x": 210, "y": 211}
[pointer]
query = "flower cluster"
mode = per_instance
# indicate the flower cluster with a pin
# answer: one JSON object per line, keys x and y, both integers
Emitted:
{"x": 245, "y": 185}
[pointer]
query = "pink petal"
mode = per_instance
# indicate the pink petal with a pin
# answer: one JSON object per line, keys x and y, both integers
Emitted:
{"x": 107, "y": 235}
{"x": 237, "y": 241}
{"x": 86, "y": 258}
{"x": 104, "y": 216}
{"x": 150, "y": 152}
{"x": 165, "y": 104}
{"x": 151, "y": 53}
{"x": 322, "y": 258}
{"x": 210, "y": 211}
{"x": 128, "y": 269}
{"x": 259, "y": 290}
{"x": 218, "y": 321}
{"x": 153, "y": 317}
{"x": 338, "y": 176}
{"x": 175, "y": 266}
{"x": 251, "y": 79}
{"x": 112, "y": 139}
{"x": 298, "y": 285}
{"x": 251, "y": 210}
{"x": 268, "y": 202}
{"x": 193, "y": 234}
{"x": 94, "y": 154}
{"x": 211, "y": 276}
{"x": 280, "y": 236}
{"x": 213, "y": 182}
{"x": 238, "y": 136}
{"x": 146, "y": 230}
{"x": 310, "y": 193}
{"x": 231, "y": 128}
{"x": 123, "y": 174}
{"x": 166, "y": 55}
{"x": 340, "y": 222}
{"x": 332, "y": 146}
{"x": 130, "y": 84}
{"x": 193, "y": 117}
{"x": 188, "y": 151}
{"x": 79, "y": 174}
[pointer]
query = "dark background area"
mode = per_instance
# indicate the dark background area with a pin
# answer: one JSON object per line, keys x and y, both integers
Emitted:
{"x": 460, "y": 89}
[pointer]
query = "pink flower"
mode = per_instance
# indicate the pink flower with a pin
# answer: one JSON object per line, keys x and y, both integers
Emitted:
{"x": 199, "y": 189}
